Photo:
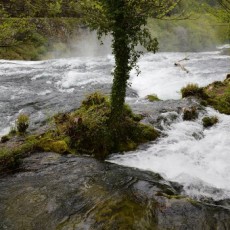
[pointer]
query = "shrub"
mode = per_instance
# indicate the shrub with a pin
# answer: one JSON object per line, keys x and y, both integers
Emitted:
{"x": 209, "y": 121}
{"x": 193, "y": 90}
{"x": 22, "y": 123}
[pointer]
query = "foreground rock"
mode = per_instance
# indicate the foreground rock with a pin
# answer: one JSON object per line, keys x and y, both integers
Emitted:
{"x": 67, "y": 192}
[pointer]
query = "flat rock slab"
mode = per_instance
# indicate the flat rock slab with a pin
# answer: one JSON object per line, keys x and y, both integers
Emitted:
{"x": 68, "y": 192}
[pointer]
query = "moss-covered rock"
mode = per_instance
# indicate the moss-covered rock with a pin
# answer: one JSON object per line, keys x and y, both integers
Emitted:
{"x": 69, "y": 192}
{"x": 90, "y": 131}
{"x": 216, "y": 94}
{"x": 84, "y": 131}
{"x": 10, "y": 156}
{"x": 190, "y": 114}
{"x": 152, "y": 98}
{"x": 49, "y": 145}
{"x": 209, "y": 121}
{"x": 193, "y": 90}
{"x": 219, "y": 95}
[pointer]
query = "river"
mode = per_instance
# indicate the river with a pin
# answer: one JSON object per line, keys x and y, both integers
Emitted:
{"x": 197, "y": 158}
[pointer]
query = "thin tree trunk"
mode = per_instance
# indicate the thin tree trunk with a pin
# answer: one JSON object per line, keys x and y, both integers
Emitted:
{"x": 121, "y": 74}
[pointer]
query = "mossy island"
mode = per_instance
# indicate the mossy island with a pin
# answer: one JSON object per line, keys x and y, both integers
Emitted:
{"x": 86, "y": 130}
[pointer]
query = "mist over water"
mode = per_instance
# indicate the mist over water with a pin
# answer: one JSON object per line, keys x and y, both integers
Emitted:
{"x": 84, "y": 43}
{"x": 88, "y": 45}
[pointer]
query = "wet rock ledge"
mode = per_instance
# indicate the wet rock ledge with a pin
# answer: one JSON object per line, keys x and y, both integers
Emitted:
{"x": 52, "y": 191}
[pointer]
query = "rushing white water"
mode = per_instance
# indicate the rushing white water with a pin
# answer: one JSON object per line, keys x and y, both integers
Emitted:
{"x": 160, "y": 76}
{"x": 190, "y": 155}
{"x": 196, "y": 157}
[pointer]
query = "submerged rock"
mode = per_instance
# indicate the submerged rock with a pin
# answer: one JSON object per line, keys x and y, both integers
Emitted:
{"x": 67, "y": 192}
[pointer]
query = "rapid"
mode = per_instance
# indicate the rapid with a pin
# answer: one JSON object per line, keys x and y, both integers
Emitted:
{"x": 195, "y": 157}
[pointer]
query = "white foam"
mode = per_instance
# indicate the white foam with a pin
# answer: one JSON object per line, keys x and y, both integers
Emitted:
{"x": 4, "y": 131}
{"x": 160, "y": 76}
{"x": 181, "y": 157}
{"x": 201, "y": 165}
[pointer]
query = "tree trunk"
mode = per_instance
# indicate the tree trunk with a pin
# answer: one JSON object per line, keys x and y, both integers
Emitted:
{"x": 121, "y": 74}
{"x": 121, "y": 53}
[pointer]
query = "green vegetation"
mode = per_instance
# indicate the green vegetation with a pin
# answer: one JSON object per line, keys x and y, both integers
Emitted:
{"x": 153, "y": 98}
{"x": 189, "y": 35}
{"x": 30, "y": 29}
{"x": 219, "y": 95}
{"x": 193, "y": 90}
{"x": 10, "y": 156}
{"x": 84, "y": 131}
{"x": 216, "y": 94}
{"x": 34, "y": 38}
{"x": 209, "y": 121}
{"x": 117, "y": 213}
{"x": 22, "y": 123}
{"x": 88, "y": 128}
{"x": 126, "y": 22}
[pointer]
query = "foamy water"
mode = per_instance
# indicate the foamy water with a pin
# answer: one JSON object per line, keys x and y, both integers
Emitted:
{"x": 160, "y": 76}
{"x": 196, "y": 157}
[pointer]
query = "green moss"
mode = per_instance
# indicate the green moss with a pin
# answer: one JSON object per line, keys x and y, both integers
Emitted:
{"x": 90, "y": 131}
{"x": 86, "y": 130}
{"x": 216, "y": 94}
{"x": 94, "y": 99}
{"x": 125, "y": 213}
{"x": 49, "y": 145}
{"x": 209, "y": 121}
{"x": 193, "y": 90}
{"x": 219, "y": 95}
{"x": 10, "y": 157}
{"x": 153, "y": 98}
{"x": 127, "y": 146}
{"x": 193, "y": 202}
{"x": 137, "y": 117}
{"x": 175, "y": 196}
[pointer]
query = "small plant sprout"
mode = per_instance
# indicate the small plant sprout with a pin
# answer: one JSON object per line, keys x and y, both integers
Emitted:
{"x": 22, "y": 123}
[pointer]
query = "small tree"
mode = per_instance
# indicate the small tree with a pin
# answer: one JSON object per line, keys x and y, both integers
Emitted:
{"x": 126, "y": 21}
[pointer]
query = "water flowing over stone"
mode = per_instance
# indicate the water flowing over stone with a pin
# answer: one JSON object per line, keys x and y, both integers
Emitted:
{"x": 68, "y": 192}
{"x": 62, "y": 189}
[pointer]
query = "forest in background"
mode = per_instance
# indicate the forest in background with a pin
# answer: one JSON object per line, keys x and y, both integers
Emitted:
{"x": 31, "y": 30}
